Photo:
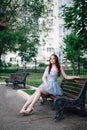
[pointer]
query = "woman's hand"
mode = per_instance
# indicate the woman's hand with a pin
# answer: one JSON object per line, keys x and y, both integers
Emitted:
{"x": 46, "y": 84}
{"x": 76, "y": 77}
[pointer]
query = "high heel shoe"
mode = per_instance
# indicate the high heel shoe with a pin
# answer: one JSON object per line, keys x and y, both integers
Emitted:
{"x": 22, "y": 111}
{"x": 28, "y": 112}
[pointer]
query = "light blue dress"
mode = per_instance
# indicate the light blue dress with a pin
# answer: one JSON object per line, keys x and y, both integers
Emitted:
{"x": 53, "y": 86}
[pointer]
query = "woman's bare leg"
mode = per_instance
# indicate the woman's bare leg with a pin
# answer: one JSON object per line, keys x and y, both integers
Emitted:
{"x": 27, "y": 103}
{"x": 36, "y": 97}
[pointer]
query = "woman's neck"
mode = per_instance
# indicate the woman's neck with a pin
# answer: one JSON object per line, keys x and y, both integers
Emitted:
{"x": 53, "y": 65}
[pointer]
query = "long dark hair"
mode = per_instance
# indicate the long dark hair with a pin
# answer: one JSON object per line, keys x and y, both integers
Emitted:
{"x": 56, "y": 63}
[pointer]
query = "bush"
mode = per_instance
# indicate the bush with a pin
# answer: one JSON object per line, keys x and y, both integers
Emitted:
{"x": 42, "y": 65}
{"x": 9, "y": 70}
{"x": 9, "y": 64}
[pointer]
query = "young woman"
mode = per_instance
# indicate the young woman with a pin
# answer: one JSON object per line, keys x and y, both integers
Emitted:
{"x": 49, "y": 85}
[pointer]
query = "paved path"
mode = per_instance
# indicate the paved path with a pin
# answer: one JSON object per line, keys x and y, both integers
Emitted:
{"x": 42, "y": 118}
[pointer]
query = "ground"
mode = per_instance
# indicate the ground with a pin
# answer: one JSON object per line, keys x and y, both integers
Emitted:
{"x": 42, "y": 118}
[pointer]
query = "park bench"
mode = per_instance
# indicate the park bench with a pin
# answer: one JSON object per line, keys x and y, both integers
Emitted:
{"x": 74, "y": 97}
{"x": 17, "y": 78}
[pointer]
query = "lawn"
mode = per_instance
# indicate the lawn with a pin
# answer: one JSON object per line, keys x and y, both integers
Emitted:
{"x": 34, "y": 79}
{"x": 30, "y": 92}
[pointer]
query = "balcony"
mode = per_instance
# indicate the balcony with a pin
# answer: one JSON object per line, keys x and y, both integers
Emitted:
{"x": 2, "y": 17}
{"x": 2, "y": 25}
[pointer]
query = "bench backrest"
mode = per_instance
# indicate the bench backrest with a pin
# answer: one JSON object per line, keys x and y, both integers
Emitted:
{"x": 74, "y": 88}
{"x": 21, "y": 76}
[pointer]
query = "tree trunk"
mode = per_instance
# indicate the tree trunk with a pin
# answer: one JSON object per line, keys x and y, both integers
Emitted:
{"x": 78, "y": 65}
{"x": 0, "y": 63}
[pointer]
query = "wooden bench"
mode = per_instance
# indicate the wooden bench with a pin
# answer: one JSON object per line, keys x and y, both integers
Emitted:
{"x": 17, "y": 78}
{"x": 74, "y": 97}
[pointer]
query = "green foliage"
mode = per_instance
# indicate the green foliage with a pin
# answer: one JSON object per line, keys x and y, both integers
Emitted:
{"x": 30, "y": 13}
{"x": 84, "y": 63}
{"x": 75, "y": 15}
{"x": 8, "y": 71}
{"x": 30, "y": 92}
{"x": 75, "y": 20}
{"x": 42, "y": 65}
{"x": 21, "y": 31}
{"x": 72, "y": 50}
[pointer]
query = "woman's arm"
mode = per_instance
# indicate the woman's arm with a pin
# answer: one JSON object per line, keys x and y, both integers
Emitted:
{"x": 67, "y": 76}
{"x": 44, "y": 77}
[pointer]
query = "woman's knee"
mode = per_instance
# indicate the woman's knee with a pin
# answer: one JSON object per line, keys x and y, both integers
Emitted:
{"x": 42, "y": 91}
{"x": 39, "y": 90}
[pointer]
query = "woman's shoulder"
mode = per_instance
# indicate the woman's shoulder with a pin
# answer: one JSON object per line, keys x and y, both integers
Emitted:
{"x": 47, "y": 68}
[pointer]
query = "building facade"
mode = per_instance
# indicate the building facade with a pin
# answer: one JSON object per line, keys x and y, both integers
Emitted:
{"x": 51, "y": 41}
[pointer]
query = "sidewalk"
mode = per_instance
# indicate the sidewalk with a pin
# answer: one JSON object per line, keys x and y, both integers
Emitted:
{"x": 42, "y": 118}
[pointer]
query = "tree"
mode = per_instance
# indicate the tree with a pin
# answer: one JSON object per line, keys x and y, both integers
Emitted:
{"x": 30, "y": 13}
{"x": 21, "y": 32}
{"x": 72, "y": 50}
{"x": 75, "y": 20}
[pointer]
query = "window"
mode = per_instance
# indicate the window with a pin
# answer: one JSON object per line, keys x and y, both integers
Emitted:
{"x": 50, "y": 21}
{"x": 50, "y": 12}
{"x": 50, "y": 49}
{"x": 50, "y": 1}
{"x": 50, "y": 30}
{"x": 12, "y": 59}
{"x": 50, "y": 40}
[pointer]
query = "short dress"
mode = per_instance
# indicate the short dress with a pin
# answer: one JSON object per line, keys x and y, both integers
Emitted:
{"x": 53, "y": 85}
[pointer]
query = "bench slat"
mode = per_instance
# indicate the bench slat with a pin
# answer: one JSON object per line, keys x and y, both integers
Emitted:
{"x": 69, "y": 95}
{"x": 71, "y": 91}
{"x": 72, "y": 83}
{"x": 72, "y": 87}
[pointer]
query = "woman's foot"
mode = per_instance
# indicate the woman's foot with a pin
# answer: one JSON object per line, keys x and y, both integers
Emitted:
{"x": 22, "y": 111}
{"x": 29, "y": 111}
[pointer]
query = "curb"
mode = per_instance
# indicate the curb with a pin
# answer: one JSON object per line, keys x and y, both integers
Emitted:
{"x": 24, "y": 94}
{"x": 2, "y": 83}
{"x": 21, "y": 92}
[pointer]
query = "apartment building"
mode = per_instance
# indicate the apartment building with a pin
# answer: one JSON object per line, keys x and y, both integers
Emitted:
{"x": 52, "y": 42}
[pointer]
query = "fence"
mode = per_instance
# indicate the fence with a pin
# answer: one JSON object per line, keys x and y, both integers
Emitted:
{"x": 41, "y": 70}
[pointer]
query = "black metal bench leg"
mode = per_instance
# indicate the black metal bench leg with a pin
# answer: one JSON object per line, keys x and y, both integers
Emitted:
{"x": 59, "y": 107}
{"x": 44, "y": 99}
{"x": 6, "y": 83}
{"x": 24, "y": 85}
{"x": 82, "y": 109}
{"x": 82, "y": 105}
{"x": 14, "y": 85}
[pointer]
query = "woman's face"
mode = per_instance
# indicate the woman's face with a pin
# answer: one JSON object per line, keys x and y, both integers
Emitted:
{"x": 52, "y": 60}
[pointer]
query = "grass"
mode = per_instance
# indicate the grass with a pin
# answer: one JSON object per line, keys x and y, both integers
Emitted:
{"x": 30, "y": 92}
{"x": 34, "y": 79}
